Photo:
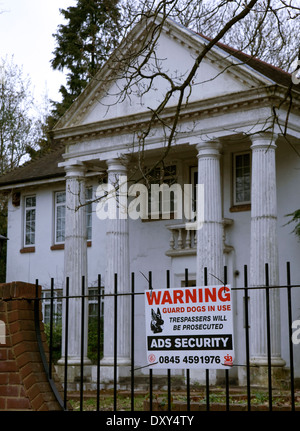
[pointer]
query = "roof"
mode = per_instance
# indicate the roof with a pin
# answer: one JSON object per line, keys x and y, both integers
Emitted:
{"x": 46, "y": 165}
{"x": 279, "y": 76}
{"x": 43, "y": 167}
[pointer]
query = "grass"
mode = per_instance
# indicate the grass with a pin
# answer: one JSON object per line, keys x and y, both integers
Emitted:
{"x": 107, "y": 403}
{"x": 160, "y": 400}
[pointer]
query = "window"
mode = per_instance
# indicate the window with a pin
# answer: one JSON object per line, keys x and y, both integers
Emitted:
{"x": 60, "y": 217}
{"x": 57, "y": 305}
{"x": 93, "y": 302}
{"x": 242, "y": 179}
{"x": 190, "y": 283}
{"x": 194, "y": 182}
{"x": 29, "y": 223}
{"x": 162, "y": 203}
{"x": 89, "y": 208}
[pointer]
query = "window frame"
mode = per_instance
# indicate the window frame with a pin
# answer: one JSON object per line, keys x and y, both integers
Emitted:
{"x": 194, "y": 182}
{"x": 57, "y": 305}
{"x": 92, "y": 298}
{"x": 26, "y": 209}
{"x": 55, "y": 216}
{"x": 234, "y": 178}
{"x": 160, "y": 214}
{"x": 93, "y": 293}
{"x": 88, "y": 209}
{"x": 89, "y": 212}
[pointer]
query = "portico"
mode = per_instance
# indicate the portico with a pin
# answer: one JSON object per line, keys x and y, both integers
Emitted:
{"x": 210, "y": 251}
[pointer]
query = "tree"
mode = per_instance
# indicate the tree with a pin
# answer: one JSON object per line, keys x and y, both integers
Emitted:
{"x": 261, "y": 28}
{"x": 83, "y": 44}
{"x": 267, "y": 29}
{"x": 295, "y": 218}
{"x": 20, "y": 130}
{"x": 18, "y": 125}
{"x": 44, "y": 123}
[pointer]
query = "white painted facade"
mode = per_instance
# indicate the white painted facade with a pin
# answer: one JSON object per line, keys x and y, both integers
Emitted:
{"x": 229, "y": 113}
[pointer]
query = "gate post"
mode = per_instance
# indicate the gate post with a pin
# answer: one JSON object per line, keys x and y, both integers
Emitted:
{"x": 24, "y": 384}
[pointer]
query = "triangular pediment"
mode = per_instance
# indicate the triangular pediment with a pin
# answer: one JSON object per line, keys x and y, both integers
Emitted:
{"x": 111, "y": 94}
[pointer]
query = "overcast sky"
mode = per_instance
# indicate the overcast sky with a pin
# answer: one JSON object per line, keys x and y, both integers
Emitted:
{"x": 26, "y": 28}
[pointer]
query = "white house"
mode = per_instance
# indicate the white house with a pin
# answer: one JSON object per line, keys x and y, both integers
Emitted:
{"x": 238, "y": 137}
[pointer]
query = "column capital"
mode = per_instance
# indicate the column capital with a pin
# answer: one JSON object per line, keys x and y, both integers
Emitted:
{"x": 117, "y": 165}
{"x": 209, "y": 149}
{"x": 75, "y": 169}
{"x": 263, "y": 140}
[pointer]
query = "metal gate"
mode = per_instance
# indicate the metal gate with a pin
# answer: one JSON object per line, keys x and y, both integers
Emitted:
{"x": 207, "y": 390}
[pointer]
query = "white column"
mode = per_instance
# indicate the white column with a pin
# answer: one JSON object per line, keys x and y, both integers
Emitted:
{"x": 210, "y": 235}
{"x": 264, "y": 249}
{"x": 75, "y": 260}
{"x": 117, "y": 263}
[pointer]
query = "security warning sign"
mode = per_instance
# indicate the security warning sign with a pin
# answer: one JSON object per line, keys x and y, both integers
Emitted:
{"x": 189, "y": 327}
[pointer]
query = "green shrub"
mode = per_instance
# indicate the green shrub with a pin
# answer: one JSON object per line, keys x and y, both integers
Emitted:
{"x": 92, "y": 339}
{"x": 56, "y": 339}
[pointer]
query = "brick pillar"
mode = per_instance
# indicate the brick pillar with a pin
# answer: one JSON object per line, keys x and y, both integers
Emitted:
{"x": 23, "y": 381}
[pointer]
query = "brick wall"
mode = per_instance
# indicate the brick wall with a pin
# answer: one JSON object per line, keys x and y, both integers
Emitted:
{"x": 23, "y": 381}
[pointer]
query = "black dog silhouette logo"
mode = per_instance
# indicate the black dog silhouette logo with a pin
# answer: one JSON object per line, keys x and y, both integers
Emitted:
{"x": 156, "y": 321}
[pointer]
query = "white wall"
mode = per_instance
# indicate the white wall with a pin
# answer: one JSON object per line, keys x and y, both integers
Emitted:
{"x": 176, "y": 60}
{"x": 43, "y": 263}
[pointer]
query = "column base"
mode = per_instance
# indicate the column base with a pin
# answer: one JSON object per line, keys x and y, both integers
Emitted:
{"x": 110, "y": 360}
{"x": 199, "y": 377}
{"x": 107, "y": 375}
{"x": 276, "y": 361}
{"x": 74, "y": 377}
{"x": 74, "y": 360}
{"x": 259, "y": 372}
{"x": 259, "y": 377}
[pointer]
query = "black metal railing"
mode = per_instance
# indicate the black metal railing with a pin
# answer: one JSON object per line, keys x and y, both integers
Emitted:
{"x": 245, "y": 290}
